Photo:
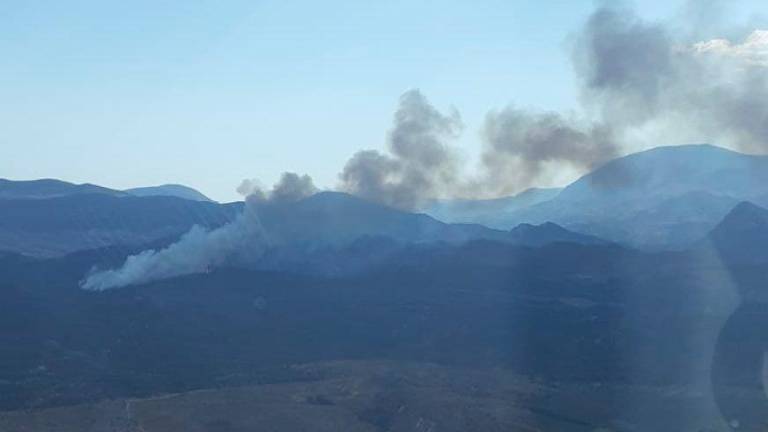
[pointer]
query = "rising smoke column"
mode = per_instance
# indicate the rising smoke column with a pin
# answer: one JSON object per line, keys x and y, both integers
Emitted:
{"x": 198, "y": 251}
{"x": 641, "y": 84}
{"x": 420, "y": 164}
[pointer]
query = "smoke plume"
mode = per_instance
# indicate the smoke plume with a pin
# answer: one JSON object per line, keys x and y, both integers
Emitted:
{"x": 642, "y": 84}
{"x": 198, "y": 251}
{"x": 421, "y": 164}
{"x": 291, "y": 187}
{"x": 519, "y": 145}
{"x": 640, "y": 77}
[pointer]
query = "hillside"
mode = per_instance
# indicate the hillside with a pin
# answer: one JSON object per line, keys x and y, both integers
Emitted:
{"x": 173, "y": 190}
{"x": 49, "y": 188}
{"x": 663, "y": 198}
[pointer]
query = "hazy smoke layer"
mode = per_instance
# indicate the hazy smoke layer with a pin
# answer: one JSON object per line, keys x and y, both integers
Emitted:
{"x": 642, "y": 85}
{"x": 198, "y": 251}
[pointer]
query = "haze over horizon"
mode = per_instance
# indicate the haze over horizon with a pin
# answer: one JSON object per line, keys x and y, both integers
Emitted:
{"x": 252, "y": 90}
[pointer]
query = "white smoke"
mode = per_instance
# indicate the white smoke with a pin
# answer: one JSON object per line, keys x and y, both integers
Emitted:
{"x": 198, "y": 251}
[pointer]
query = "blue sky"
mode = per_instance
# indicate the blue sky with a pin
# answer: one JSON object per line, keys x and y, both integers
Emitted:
{"x": 207, "y": 93}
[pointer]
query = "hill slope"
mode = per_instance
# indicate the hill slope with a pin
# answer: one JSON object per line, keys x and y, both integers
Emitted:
{"x": 57, "y": 226}
{"x": 174, "y": 190}
{"x": 742, "y": 235}
{"x": 660, "y": 198}
{"x": 489, "y": 212}
{"x": 49, "y": 188}
{"x": 334, "y": 218}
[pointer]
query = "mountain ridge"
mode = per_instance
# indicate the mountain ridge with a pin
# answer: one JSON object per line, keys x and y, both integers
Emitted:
{"x": 742, "y": 235}
{"x": 340, "y": 218}
{"x": 170, "y": 189}
{"x": 49, "y": 188}
{"x": 631, "y": 199}
{"x": 488, "y": 212}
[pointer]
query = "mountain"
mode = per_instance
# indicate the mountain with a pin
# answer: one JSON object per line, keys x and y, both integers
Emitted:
{"x": 335, "y": 218}
{"x": 603, "y": 325}
{"x": 547, "y": 233}
{"x": 334, "y": 234}
{"x": 742, "y": 236}
{"x": 667, "y": 197}
{"x": 562, "y": 327}
{"x": 66, "y": 224}
{"x": 489, "y": 212}
{"x": 53, "y": 188}
{"x": 663, "y": 198}
{"x": 49, "y": 188}
{"x": 338, "y": 219}
{"x": 674, "y": 223}
{"x": 62, "y": 225}
{"x": 173, "y": 190}
{"x": 672, "y": 171}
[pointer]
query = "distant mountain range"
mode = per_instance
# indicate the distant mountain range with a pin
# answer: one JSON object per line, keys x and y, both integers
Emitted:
{"x": 66, "y": 224}
{"x": 667, "y": 197}
{"x": 337, "y": 233}
{"x": 75, "y": 220}
{"x": 50, "y": 217}
{"x": 664, "y": 198}
{"x": 52, "y": 188}
{"x": 49, "y": 188}
{"x": 335, "y": 218}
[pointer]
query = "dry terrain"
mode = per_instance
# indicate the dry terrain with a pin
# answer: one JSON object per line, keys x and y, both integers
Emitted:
{"x": 373, "y": 396}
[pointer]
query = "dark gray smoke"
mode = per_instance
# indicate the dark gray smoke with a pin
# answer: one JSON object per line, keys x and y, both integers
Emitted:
{"x": 420, "y": 164}
{"x": 642, "y": 84}
{"x": 639, "y": 76}
{"x": 624, "y": 64}
{"x": 291, "y": 187}
{"x": 520, "y": 144}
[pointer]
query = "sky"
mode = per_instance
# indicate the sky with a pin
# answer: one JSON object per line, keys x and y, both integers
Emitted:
{"x": 208, "y": 93}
